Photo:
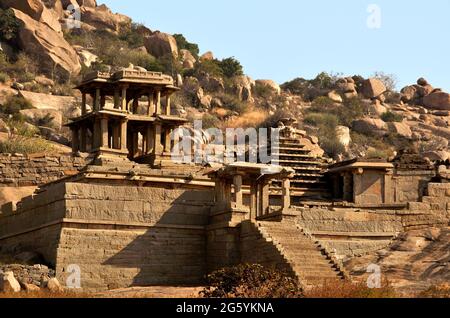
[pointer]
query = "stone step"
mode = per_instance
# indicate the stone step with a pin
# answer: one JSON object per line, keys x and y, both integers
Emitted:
{"x": 307, "y": 258}
{"x": 318, "y": 182}
{"x": 284, "y": 147}
{"x": 297, "y": 162}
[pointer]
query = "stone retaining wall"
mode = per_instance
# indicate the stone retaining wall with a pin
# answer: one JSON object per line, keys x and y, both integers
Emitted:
{"x": 118, "y": 235}
{"x": 23, "y": 171}
{"x": 353, "y": 232}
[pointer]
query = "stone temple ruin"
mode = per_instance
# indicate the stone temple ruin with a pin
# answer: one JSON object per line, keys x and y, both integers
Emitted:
{"x": 131, "y": 217}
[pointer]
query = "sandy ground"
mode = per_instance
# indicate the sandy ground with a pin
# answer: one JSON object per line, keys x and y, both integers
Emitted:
{"x": 152, "y": 292}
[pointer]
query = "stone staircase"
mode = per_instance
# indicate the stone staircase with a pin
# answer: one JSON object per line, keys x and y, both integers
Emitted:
{"x": 303, "y": 258}
{"x": 309, "y": 180}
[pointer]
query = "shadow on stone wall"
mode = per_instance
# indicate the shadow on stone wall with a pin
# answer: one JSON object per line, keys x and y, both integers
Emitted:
{"x": 173, "y": 252}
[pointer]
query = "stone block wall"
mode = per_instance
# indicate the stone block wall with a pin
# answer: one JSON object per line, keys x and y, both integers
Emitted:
{"x": 22, "y": 171}
{"x": 118, "y": 235}
{"x": 353, "y": 232}
{"x": 410, "y": 185}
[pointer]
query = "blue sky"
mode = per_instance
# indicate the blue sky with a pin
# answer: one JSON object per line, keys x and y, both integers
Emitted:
{"x": 285, "y": 39}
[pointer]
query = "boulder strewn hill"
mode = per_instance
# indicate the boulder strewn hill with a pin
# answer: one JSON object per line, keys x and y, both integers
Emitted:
{"x": 42, "y": 57}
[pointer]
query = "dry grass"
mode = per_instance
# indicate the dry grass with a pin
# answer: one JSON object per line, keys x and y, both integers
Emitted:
{"x": 439, "y": 291}
{"x": 45, "y": 294}
{"x": 339, "y": 289}
{"x": 252, "y": 118}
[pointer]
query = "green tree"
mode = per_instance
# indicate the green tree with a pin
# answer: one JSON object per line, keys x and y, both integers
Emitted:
{"x": 231, "y": 67}
{"x": 184, "y": 44}
{"x": 9, "y": 25}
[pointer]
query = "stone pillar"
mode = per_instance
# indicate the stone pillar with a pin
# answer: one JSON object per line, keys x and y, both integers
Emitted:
{"x": 388, "y": 193}
{"x": 124, "y": 98}
{"x": 348, "y": 186}
{"x": 116, "y": 136}
{"x": 150, "y": 140}
{"x": 83, "y": 104}
{"x": 123, "y": 135}
{"x": 104, "y": 133}
{"x": 135, "y": 105}
{"x": 97, "y": 99}
{"x": 116, "y": 99}
{"x": 227, "y": 193}
{"x": 168, "y": 141}
{"x": 151, "y": 105}
{"x": 237, "y": 183}
{"x": 264, "y": 198}
{"x": 75, "y": 140}
{"x": 286, "y": 198}
{"x": 83, "y": 138}
{"x": 168, "y": 105}
{"x": 158, "y": 147}
{"x": 253, "y": 200}
{"x": 158, "y": 102}
{"x": 135, "y": 144}
{"x": 96, "y": 135}
{"x": 102, "y": 101}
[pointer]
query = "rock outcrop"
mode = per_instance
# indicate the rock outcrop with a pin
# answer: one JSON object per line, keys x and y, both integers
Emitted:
{"x": 373, "y": 88}
{"x": 8, "y": 283}
{"x": 187, "y": 59}
{"x": 161, "y": 44}
{"x": 102, "y": 18}
{"x": 370, "y": 125}
{"x": 243, "y": 87}
{"x": 437, "y": 100}
{"x": 54, "y": 54}
{"x": 270, "y": 84}
{"x": 37, "y": 11}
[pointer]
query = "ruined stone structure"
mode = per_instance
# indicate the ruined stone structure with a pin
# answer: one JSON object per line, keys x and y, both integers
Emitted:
{"x": 114, "y": 130}
{"x": 131, "y": 217}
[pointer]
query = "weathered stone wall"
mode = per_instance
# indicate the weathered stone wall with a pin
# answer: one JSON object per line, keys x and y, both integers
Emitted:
{"x": 353, "y": 232}
{"x": 22, "y": 171}
{"x": 410, "y": 185}
{"x": 118, "y": 235}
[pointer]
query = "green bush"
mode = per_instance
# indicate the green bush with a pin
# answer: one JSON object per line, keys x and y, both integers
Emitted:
{"x": 326, "y": 120}
{"x": 9, "y": 25}
{"x": 322, "y": 104}
{"x": 323, "y": 81}
{"x": 326, "y": 125}
{"x": 22, "y": 69}
{"x": 134, "y": 35}
{"x": 332, "y": 146}
{"x": 211, "y": 67}
{"x": 210, "y": 121}
{"x": 298, "y": 86}
{"x": 4, "y": 77}
{"x": 377, "y": 154}
{"x": 231, "y": 67}
{"x": 250, "y": 281}
{"x": 14, "y": 104}
{"x": 391, "y": 117}
{"x": 263, "y": 91}
{"x": 183, "y": 44}
{"x": 232, "y": 103}
{"x": 351, "y": 110}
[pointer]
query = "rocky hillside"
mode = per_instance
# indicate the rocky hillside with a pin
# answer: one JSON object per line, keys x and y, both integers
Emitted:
{"x": 42, "y": 58}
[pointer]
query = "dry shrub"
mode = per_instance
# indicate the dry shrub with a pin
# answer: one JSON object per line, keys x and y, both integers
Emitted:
{"x": 250, "y": 281}
{"x": 347, "y": 289}
{"x": 437, "y": 291}
{"x": 250, "y": 119}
